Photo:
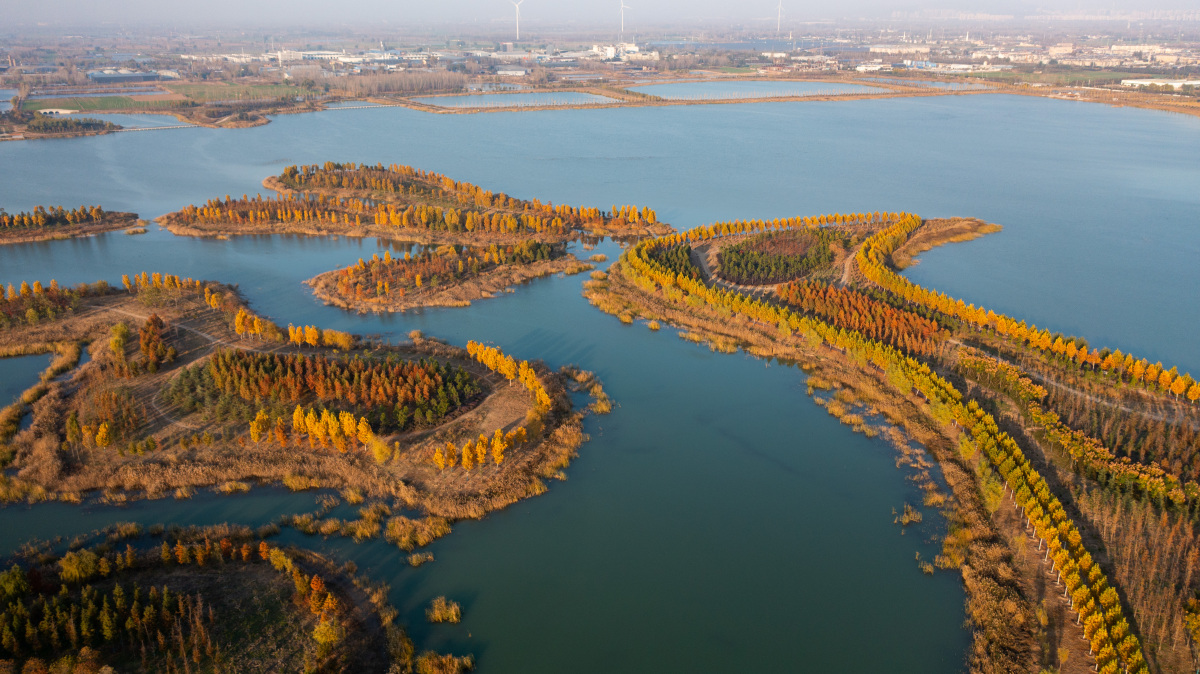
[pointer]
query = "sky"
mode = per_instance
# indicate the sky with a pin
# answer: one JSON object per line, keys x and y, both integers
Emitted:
{"x": 587, "y": 14}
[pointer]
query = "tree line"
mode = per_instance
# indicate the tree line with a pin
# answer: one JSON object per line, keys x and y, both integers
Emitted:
{"x": 872, "y": 260}
{"x": 54, "y": 216}
{"x": 1089, "y": 456}
{"x": 380, "y": 277}
{"x": 1094, "y": 601}
{"x": 847, "y": 308}
{"x": 403, "y": 83}
{"x": 152, "y": 287}
{"x": 477, "y": 453}
{"x": 322, "y": 429}
{"x": 34, "y": 303}
{"x": 396, "y": 392}
{"x": 42, "y": 628}
{"x": 343, "y": 213}
{"x": 729, "y": 228}
{"x": 496, "y": 361}
{"x": 47, "y": 124}
{"x": 777, "y": 257}
{"x": 314, "y": 336}
{"x": 406, "y": 181}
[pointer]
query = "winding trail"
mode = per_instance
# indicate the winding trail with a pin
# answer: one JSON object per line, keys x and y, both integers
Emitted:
{"x": 1099, "y": 400}
{"x": 213, "y": 342}
{"x": 848, "y": 264}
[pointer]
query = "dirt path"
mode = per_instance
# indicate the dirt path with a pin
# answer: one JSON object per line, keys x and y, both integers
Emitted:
{"x": 213, "y": 342}
{"x": 705, "y": 257}
{"x": 848, "y": 265}
{"x": 1107, "y": 402}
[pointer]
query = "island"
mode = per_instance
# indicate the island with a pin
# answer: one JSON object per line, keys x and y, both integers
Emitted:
{"x": 20, "y": 124}
{"x": 220, "y": 598}
{"x": 187, "y": 388}
{"x": 56, "y": 222}
{"x": 402, "y": 202}
{"x": 1021, "y": 422}
{"x": 451, "y": 276}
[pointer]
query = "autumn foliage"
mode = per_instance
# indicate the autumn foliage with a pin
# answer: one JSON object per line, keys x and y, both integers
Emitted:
{"x": 432, "y": 389}
{"x": 31, "y": 304}
{"x": 511, "y": 369}
{"x": 1092, "y": 598}
{"x": 380, "y": 278}
{"x": 409, "y": 183}
{"x": 1089, "y": 455}
{"x": 1070, "y": 352}
{"x": 853, "y": 310}
{"x": 54, "y": 216}
{"x": 775, "y": 257}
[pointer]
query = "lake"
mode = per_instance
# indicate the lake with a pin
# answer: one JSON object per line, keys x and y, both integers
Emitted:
{"x": 533, "y": 99}
{"x": 931, "y": 84}
{"x": 717, "y": 520}
{"x": 702, "y": 91}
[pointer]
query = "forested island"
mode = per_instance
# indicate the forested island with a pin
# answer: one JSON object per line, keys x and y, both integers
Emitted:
{"x": 30, "y": 125}
{"x": 219, "y": 598}
{"x": 56, "y": 222}
{"x": 403, "y": 203}
{"x": 187, "y": 388}
{"x": 448, "y": 277}
{"x": 1071, "y": 468}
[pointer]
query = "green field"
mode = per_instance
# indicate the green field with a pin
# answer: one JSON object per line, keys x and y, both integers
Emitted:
{"x": 97, "y": 104}
{"x": 223, "y": 92}
{"x": 1060, "y": 78}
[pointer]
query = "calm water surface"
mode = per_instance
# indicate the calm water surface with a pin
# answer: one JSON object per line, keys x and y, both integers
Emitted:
{"x": 952, "y": 86}
{"x": 750, "y": 89}
{"x": 146, "y": 121}
{"x": 510, "y": 100}
{"x": 717, "y": 521}
{"x": 19, "y": 373}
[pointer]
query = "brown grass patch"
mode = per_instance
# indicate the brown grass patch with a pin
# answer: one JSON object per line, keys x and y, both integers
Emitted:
{"x": 939, "y": 232}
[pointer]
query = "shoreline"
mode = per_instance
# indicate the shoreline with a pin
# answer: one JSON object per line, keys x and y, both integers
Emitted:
{"x": 624, "y": 97}
{"x": 180, "y": 461}
{"x": 460, "y": 294}
{"x": 58, "y": 233}
{"x": 925, "y": 396}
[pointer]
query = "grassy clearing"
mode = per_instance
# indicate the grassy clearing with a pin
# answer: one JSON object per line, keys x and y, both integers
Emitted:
{"x": 225, "y": 92}
{"x": 1059, "y": 78}
{"x": 97, "y": 104}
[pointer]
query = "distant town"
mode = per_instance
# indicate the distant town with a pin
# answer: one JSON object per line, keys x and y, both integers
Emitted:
{"x": 231, "y": 80}
{"x": 1168, "y": 53}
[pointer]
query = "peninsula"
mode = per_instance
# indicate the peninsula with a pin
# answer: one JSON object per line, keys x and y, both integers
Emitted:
{"x": 1016, "y": 416}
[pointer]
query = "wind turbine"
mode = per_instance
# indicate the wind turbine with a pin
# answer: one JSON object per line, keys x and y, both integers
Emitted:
{"x": 517, "y": 5}
{"x": 623, "y": 8}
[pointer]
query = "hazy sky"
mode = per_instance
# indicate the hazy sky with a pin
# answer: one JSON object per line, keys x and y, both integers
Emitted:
{"x": 588, "y": 14}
